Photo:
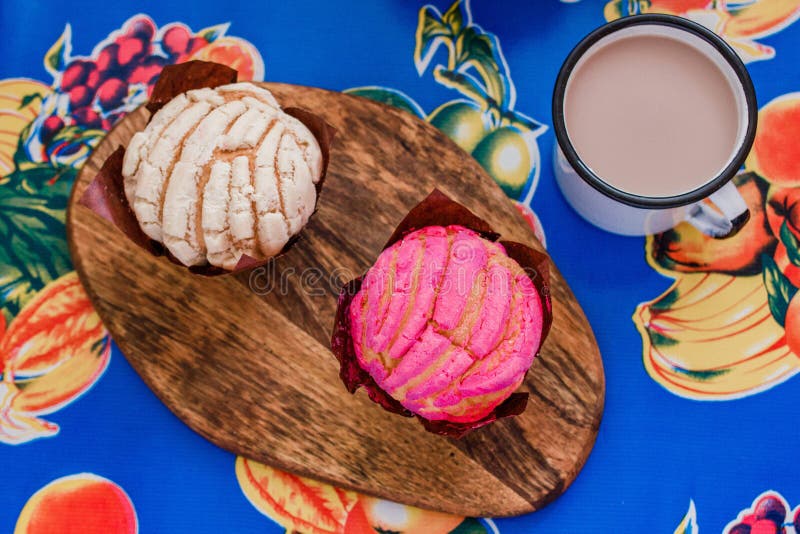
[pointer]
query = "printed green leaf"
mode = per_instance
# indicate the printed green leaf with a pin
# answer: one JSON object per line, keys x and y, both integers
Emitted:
{"x": 27, "y": 100}
{"x": 55, "y": 58}
{"x": 464, "y": 84}
{"x": 15, "y": 290}
{"x": 660, "y": 340}
{"x": 453, "y": 18}
{"x": 43, "y": 179}
{"x": 779, "y": 289}
{"x": 665, "y": 301}
{"x": 212, "y": 33}
{"x": 474, "y": 57}
{"x": 431, "y": 33}
{"x": 523, "y": 122}
{"x": 688, "y": 524}
{"x": 33, "y": 247}
{"x": 21, "y": 158}
{"x": 481, "y": 51}
{"x": 701, "y": 376}
{"x": 78, "y": 135}
{"x": 791, "y": 243}
{"x": 615, "y": 9}
{"x": 389, "y": 96}
{"x": 621, "y": 8}
{"x": 473, "y": 44}
{"x": 470, "y": 525}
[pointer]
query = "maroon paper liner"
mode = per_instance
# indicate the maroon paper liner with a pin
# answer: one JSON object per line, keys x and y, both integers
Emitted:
{"x": 438, "y": 210}
{"x": 182, "y": 77}
{"x": 350, "y": 371}
{"x": 105, "y": 195}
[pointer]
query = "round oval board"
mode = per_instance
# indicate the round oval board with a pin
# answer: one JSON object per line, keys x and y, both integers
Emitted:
{"x": 250, "y": 369}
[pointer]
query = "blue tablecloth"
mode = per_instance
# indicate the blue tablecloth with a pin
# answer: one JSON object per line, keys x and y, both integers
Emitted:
{"x": 700, "y": 339}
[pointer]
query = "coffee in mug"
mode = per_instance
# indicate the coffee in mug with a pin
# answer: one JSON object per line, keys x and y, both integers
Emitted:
{"x": 653, "y": 114}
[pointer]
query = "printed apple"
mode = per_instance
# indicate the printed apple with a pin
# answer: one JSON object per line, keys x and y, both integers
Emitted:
{"x": 774, "y": 155}
{"x": 462, "y": 121}
{"x": 505, "y": 155}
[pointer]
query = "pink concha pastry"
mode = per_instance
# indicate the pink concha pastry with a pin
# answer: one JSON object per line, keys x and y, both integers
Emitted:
{"x": 447, "y": 323}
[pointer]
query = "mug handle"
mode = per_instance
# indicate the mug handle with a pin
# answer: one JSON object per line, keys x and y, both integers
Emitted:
{"x": 735, "y": 213}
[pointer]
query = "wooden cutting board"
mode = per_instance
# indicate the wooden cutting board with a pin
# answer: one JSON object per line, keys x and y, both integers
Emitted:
{"x": 253, "y": 374}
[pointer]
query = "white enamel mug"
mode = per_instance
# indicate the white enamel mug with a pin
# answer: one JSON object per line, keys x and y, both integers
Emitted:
{"x": 626, "y": 213}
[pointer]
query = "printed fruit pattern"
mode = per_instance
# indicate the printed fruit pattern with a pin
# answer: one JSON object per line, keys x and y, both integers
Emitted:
{"x": 769, "y": 514}
{"x": 17, "y": 110}
{"x": 92, "y": 93}
{"x": 776, "y": 138}
{"x": 740, "y": 292}
{"x": 750, "y": 351}
{"x": 53, "y": 351}
{"x": 740, "y": 23}
{"x": 78, "y": 504}
{"x": 688, "y": 524}
{"x": 303, "y": 505}
{"x": 686, "y": 249}
{"x": 54, "y": 347}
{"x": 484, "y": 123}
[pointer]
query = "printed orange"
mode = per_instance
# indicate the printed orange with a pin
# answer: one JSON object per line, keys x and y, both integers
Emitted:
{"x": 78, "y": 504}
{"x": 776, "y": 150}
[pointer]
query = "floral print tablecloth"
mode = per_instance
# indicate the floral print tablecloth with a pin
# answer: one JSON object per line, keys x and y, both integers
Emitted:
{"x": 700, "y": 338}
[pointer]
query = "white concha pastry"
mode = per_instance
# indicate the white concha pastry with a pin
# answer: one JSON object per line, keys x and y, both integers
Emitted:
{"x": 222, "y": 172}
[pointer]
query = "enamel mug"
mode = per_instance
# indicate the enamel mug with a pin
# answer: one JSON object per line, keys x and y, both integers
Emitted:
{"x": 625, "y": 213}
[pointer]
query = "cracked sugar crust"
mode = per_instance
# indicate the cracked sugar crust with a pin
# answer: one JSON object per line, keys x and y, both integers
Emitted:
{"x": 218, "y": 173}
{"x": 446, "y": 323}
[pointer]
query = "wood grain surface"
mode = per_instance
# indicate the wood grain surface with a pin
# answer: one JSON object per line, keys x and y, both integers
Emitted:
{"x": 249, "y": 368}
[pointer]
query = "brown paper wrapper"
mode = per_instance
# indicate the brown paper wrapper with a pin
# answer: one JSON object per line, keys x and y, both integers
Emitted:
{"x": 105, "y": 195}
{"x": 438, "y": 210}
{"x": 177, "y": 79}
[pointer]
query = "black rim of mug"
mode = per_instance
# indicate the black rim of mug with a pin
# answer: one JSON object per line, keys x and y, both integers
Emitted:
{"x": 632, "y": 199}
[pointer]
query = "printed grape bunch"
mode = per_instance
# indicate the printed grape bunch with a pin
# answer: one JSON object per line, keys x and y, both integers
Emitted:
{"x": 768, "y": 515}
{"x": 90, "y": 94}
{"x": 103, "y": 83}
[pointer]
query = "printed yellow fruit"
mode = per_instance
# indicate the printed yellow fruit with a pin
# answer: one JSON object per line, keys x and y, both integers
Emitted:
{"x": 505, "y": 155}
{"x": 462, "y": 121}
{"x": 712, "y": 337}
{"x": 296, "y": 503}
{"x": 740, "y": 23}
{"x": 13, "y": 119}
{"x": 762, "y": 17}
{"x": 52, "y": 352}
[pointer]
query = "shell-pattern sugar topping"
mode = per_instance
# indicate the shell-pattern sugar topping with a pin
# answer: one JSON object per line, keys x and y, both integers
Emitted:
{"x": 218, "y": 173}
